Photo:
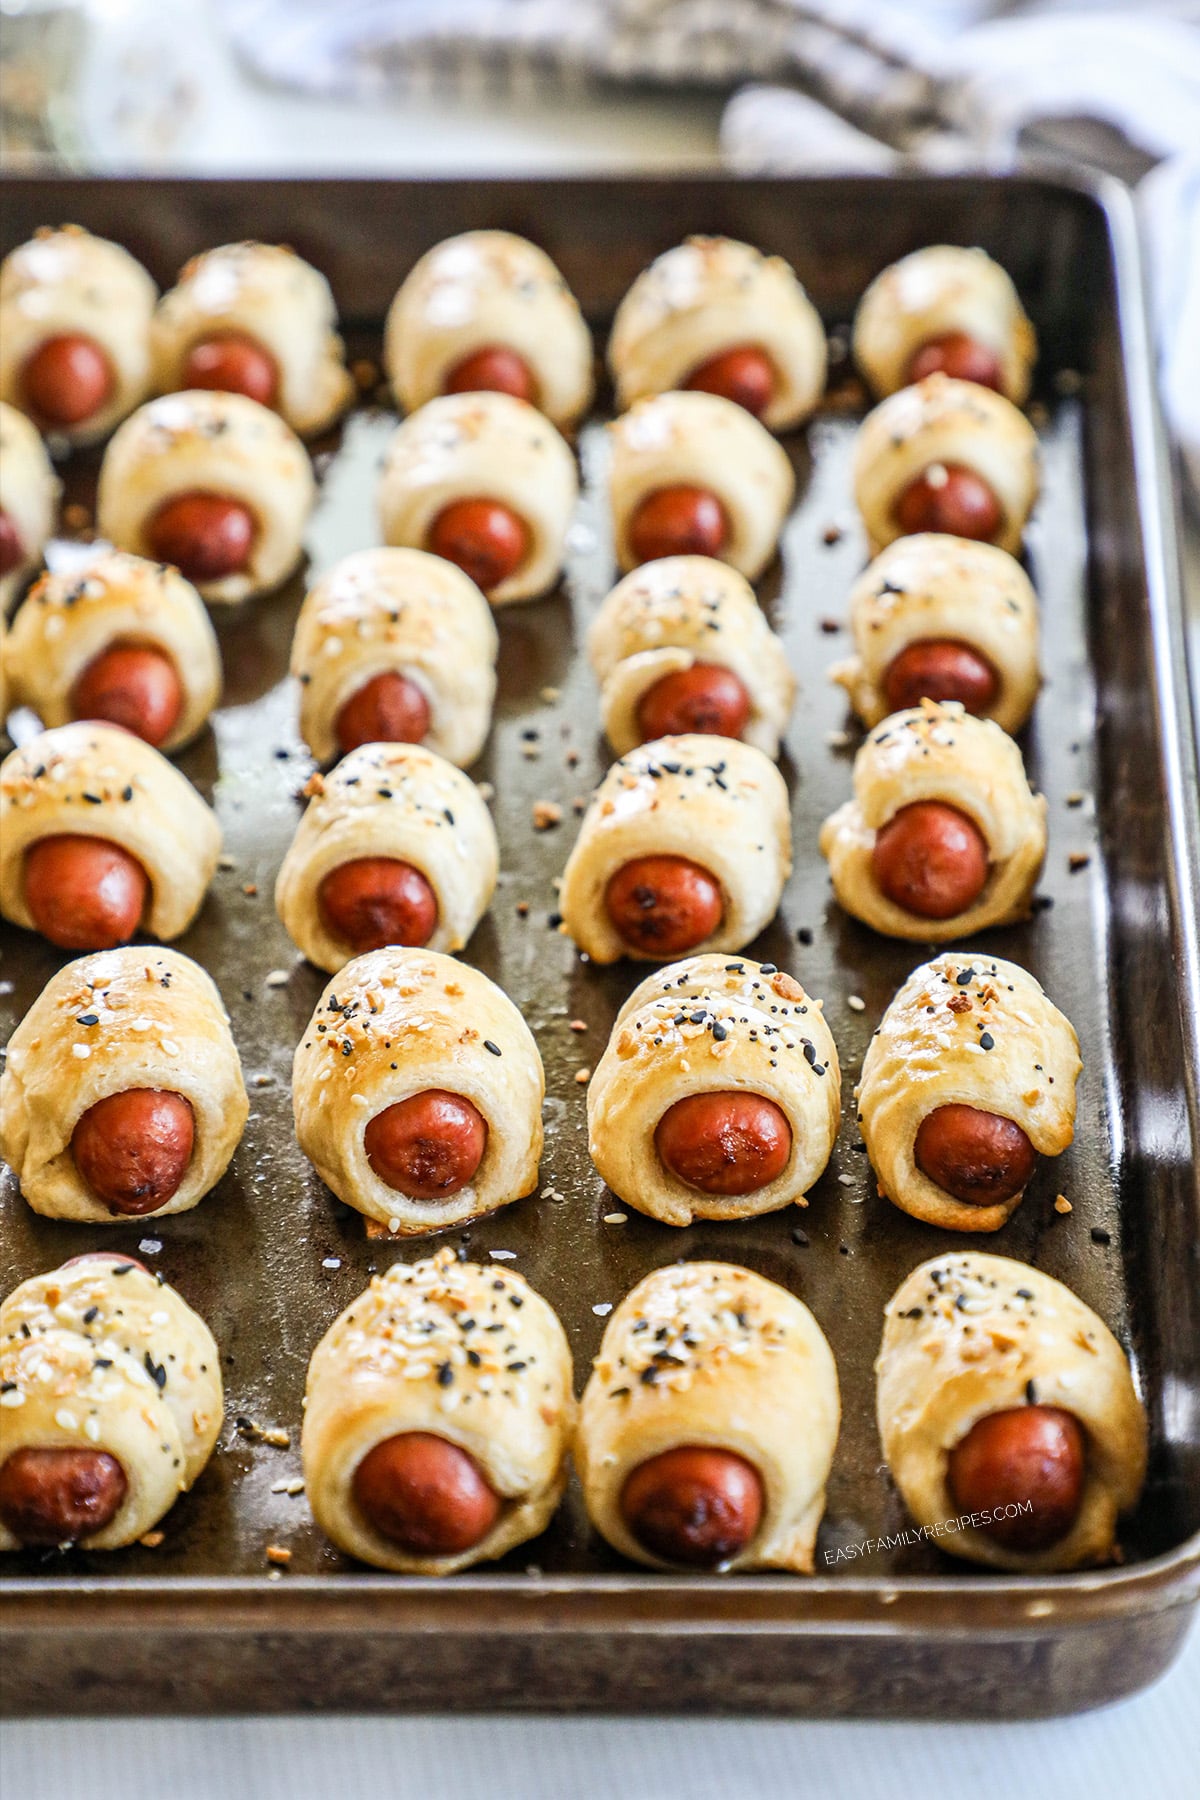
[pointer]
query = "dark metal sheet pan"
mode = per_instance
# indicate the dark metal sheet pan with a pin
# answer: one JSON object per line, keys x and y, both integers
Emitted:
{"x": 197, "y": 1624}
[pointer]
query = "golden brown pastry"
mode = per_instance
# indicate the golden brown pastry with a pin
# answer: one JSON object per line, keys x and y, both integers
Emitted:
{"x": 947, "y": 308}
{"x": 488, "y": 311}
{"x": 397, "y": 847}
{"x": 943, "y": 618}
{"x": 1008, "y": 1415}
{"x": 417, "y": 1090}
{"x": 254, "y": 319}
{"x": 944, "y": 836}
{"x": 74, "y": 333}
{"x": 694, "y": 474}
{"x": 122, "y": 640}
{"x": 718, "y": 1094}
{"x": 682, "y": 645}
{"x": 29, "y": 491}
{"x": 438, "y": 1415}
{"x": 946, "y": 455}
{"x": 100, "y": 836}
{"x": 685, "y": 846}
{"x": 968, "y": 1080}
{"x": 486, "y": 481}
{"x": 709, "y": 1422}
{"x": 122, "y": 1093}
{"x": 719, "y": 316}
{"x": 395, "y": 645}
{"x": 110, "y": 1404}
{"x": 215, "y": 484}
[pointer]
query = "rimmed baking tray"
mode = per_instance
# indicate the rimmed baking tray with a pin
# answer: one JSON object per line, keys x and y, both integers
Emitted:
{"x": 201, "y": 1622}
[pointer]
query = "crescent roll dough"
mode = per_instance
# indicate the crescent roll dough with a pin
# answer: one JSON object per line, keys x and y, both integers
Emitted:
{"x": 214, "y": 443}
{"x": 700, "y": 440}
{"x": 471, "y": 1355}
{"x": 488, "y": 447}
{"x": 673, "y": 613}
{"x": 964, "y": 1032}
{"x": 415, "y": 1020}
{"x": 935, "y": 586}
{"x": 91, "y": 780}
{"x": 709, "y": 1025}
{"x": 70, "y": 619}
{"x": 941, "y": 422}
{"x": 939, "y": 752}
{"x": 715, "y": 801}
{"x": 936, "y": 292}
{"x": 121, "y": 1019}
{"x": 102, "y": 1355}
{"x": 488, "y": 289}
{"x": 69, "y": 283}
{"x": 711, "y": 294}
{"x": 273, "y": 296}
{"x": 706, "y": 1353}
{"x": 967, "y": 1335}
{"x": 29, "y": 491}
{"x": 399, "y": 801}
{"x": 402, "y": 610}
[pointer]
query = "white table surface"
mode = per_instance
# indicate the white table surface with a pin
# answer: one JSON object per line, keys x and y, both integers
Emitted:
{"x": 1149, "y": 1745}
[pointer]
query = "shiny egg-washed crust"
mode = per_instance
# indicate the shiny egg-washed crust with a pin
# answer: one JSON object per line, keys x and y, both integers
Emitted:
{"x": 273, "y": 296}
{"x": 935, "y": 292}
{"x": 487, "y": 289}
{"x": 934, "y": 423}
{"x": 711, "y": 294}
{"x": 422, "y": 1350}
{"x": 69, "y": 619}
{"x": 108, "y": 1022}
{"x": 719, "y": 803}
{"x": 965, "y": 1031}
{"x": 707, "y": 1353}
{"x": 66, "y": 282}
{"x": 681, "y": 610}
{"x": 701, "y": 440}
{"x": 939, "y": 752}
{"x": 398, "y": 1022}
{"x": 105, "y": 1356}
{"x": 91, "y": 780}
{"x": 29, "y": 491}
{"x": 392, "y": 800}
{"x": 401, "y": 610}
{"x": 709, "y": 1025}
{"x": 967, "y": 1335}
{"x": 934, "y": 586}
{"x": 218, "y": 444}
{"x": 482, "y": 447}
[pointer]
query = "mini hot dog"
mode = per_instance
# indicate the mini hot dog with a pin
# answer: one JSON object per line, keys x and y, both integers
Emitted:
{"x": 718, "y": 1093}
{"x": 124, "y": 641}
{"x": 438, "y": 1415}
{"x": 122, "y": 1094}
{"x": 29, "y": 491}
{"x": 74, "y": 333}
{"x": 110, "y": 1404}
{"x": 945, "y": 310}
{"x": 1007, "y": 1408}
{"x": 717, "y": 317}
{"x": 487, "y": 311}
{"x": 685, "y": 846}
{"x": 708, "y": 1424}
{"x": 101, "y": 836}
{"x": 944, "y": 836}
{"x": 485, "y": 481}
{"x": 946, "y": 456}
{"x": 256, "y": 320}
{"x": 968, "y": 1081}
{"x": 694, "y": 474}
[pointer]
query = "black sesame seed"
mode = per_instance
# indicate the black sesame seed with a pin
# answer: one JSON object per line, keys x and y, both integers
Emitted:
{"x": 494, "y": 1049}
{"x": 987, "y": 1041}
{"x": 156, "y": 1371}
{"x": 88, "y": 1019}
{"x": 445, "y": 1375}
{"x": 93, "y": 1312}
